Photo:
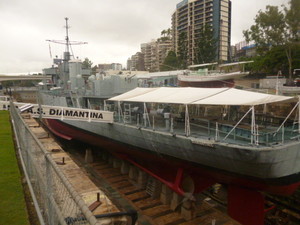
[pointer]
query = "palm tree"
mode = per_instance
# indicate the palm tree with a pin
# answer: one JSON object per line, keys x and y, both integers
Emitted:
{"x": 163, "y": 33}
{"x": 168, "y": 31}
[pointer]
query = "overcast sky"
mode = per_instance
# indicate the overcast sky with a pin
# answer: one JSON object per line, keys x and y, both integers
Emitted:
{"x": 114, "y": 29}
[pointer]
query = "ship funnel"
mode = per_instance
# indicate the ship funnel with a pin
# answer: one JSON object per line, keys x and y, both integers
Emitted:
{"x": 75, "y": 68}
{"x": 67, "y": 56}
{"x": 75, "y": 72}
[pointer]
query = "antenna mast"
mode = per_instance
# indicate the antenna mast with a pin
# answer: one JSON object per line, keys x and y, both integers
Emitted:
{"x": 67, "y": 42}
{"x": 67, "y": 35}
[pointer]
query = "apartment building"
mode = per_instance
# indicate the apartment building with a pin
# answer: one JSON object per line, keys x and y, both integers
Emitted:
{"x": 155, "y": 53}
{"x": 136, "y": 62}
{"x": 149, "y": 50}
{"x": 163, "y": 48}
{"x": 191, "y": 15}
{"x": 111, "y": 66}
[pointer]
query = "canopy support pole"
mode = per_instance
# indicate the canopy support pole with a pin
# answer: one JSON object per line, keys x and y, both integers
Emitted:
{"x": 119, "y": 111}
{"x": 265, "y": 109}
{"x": 105, "y": 106}
{"x": 254, "y": 136}
{"x": 89, "y": 104}
{"x": 187, "y": 122}
{"x": 146, "y": 115}
{"x": 153, "y": 123}
{"x": 217, "y": 132}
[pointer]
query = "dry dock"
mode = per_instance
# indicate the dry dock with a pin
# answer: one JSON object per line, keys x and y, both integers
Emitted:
{"x": 118, "y": 189}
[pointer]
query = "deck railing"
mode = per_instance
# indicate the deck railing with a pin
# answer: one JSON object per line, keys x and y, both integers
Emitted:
{"x": 264, "y": 135}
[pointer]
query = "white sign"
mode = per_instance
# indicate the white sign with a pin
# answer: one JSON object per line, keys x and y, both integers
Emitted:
{"x": 4, "y": 105}
{"x": 64, "y": 113}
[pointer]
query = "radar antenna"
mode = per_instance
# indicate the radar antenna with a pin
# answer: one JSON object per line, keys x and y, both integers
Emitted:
{"x": 67, "y": 41}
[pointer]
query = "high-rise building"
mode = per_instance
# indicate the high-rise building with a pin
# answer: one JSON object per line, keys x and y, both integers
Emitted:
{"x": 155, "y": 53}
{"x": 163, "y": 48}
{"x": 129, "y": 64}
{"x": 136, "y": 62}
{"x": 116, "y": 66}
{"x": 112, "y": 66}
{"x": 149, "y": 50}
{"x": 191, "y": 15}
{"x": 104, "y": 67}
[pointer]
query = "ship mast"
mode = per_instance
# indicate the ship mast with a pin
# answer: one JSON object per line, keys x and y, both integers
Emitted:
{"x": 67, "y": 43}
{"x": 67, "y": 35}
{"x": 63, "y": 64}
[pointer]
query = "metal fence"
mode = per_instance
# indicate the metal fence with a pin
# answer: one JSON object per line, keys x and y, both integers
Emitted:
{"x": 55, "y": 199}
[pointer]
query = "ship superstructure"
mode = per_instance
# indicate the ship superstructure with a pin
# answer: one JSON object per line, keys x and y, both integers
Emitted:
{"x": 77, "y": 84}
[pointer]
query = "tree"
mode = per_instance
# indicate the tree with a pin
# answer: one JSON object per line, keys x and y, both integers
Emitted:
{"x": 94, "y": 69}
{"x": 182, "y": 50}
{"x": 87, "y": 64}
{"x": 273, "y": 61}
{"x": 206, "y": 46}
{"x": 170, "y": 62}
{"x": 163, "y": 33}
{"x": 293, "y": 19}
{"x": 166, "y": 32}
{"x": 274, "y": 28}
{"x": 169, "y": 31}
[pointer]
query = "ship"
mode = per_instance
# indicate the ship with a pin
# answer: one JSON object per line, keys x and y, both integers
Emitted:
{"x": 223, "y": 76}
{"x": 188, "y": 138}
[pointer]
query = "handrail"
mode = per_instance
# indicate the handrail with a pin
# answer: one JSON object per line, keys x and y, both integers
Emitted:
{"x": 238, "y": 123}
{"x": 226, "y": 131}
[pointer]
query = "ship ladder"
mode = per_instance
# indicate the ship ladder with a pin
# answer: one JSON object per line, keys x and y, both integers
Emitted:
{"x": 127, "y": 113}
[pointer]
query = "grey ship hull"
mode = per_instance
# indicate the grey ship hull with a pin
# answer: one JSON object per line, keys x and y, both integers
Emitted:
{"x": 262, "y": 166}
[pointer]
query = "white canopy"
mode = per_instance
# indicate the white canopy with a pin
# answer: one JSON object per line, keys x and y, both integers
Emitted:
{"x": 130, "y": 94}
{"x": 199, "y": 96}
{"x": 234, "y": 96}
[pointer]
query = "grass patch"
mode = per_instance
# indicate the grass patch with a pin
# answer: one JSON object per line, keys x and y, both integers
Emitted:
{"x": 12, "y": 203}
